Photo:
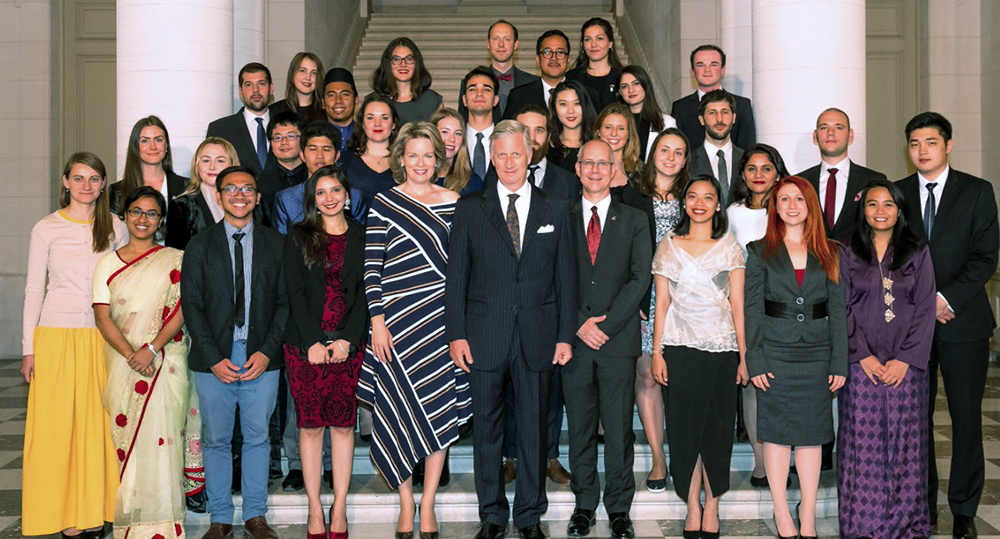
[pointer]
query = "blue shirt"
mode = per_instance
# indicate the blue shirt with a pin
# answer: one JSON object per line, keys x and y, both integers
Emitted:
{"x": 240, "y": 333}
{"x": 345, "y": 134}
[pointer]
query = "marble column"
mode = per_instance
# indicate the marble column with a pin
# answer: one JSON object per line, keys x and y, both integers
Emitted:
{"x": 175, "y": 60}
{"x": 808, "y": 55}
{"x": 736, "y": 39}
{"x": 248, "y": 46}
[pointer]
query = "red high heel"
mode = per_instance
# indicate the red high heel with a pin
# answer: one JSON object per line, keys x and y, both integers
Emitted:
{"x": 336, "y": 535}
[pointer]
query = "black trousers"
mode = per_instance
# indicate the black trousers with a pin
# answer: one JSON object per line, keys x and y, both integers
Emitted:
{"x": 555, "y": 418}
{"x": 531, "y": 390}
{"x": 601, "y": 389}
{"x": 963, "y": 371}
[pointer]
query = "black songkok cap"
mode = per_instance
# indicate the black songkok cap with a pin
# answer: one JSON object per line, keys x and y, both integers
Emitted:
{"x": 339, "y": 74}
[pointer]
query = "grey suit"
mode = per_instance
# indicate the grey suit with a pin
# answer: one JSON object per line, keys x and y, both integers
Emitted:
{"x": 613, "y": 286}
{"x": 700, "y": 164}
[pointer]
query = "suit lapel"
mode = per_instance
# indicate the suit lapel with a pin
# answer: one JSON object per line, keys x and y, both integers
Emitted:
{"x": 536, "y": 213}
{"x": 244, "y": 134}
{"x": 911, "y": 190}
{"x": 221, "y": 244}
{"x": 494, "y": 215}
{"x": 608, "y": 232}
{"x": 258, "y": 254}
{"x": 948, "y": 199}
{"x": 855, "y": 183}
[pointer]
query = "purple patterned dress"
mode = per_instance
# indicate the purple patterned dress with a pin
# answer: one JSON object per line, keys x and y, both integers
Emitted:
{"x": 882, "y": 442}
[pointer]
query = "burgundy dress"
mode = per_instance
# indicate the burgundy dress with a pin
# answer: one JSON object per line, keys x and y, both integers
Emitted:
{"x": 325, "y": 395}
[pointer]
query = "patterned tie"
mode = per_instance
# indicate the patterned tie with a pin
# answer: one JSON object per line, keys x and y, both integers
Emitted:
{"x": 261, "y": 142}
{"x": 830, "y": 201}
{"x": 239, "y": 282}
{"x": 593, "y": 234}
{"x": 512, "y": 224}
{"x": 532, "y": 175}
{"x": 723, "y": 171}
{"x": 479, "y": 157}
{"x": 929, "y": 208}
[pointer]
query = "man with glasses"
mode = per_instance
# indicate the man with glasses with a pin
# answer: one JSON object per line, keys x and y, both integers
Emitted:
{"x": 552, "y": 57}
{"x": 287, "y": 168}
{"x": 319, "y": 147}
{"x": 235, "y": 308}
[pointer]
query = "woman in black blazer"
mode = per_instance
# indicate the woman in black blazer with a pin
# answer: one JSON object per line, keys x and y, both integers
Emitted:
{"x": 796, "y": 332}
{"x": 328, "y": 314}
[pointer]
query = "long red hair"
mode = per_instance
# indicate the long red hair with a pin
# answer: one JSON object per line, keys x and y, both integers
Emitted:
{"x": 814, "y": 235}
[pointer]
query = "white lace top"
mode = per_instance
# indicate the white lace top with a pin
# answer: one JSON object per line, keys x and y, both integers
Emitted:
{"x": 699, "y": 315}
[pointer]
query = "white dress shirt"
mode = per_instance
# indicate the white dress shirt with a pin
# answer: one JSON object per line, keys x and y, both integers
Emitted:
{"x": 548, "y": 91}
{"x": 712, "y": 151}
{"x": 251, "y": 120}
{"x": 843, "y": 168}
{"x": 540, "y": 174}
{"x": 602, "y": 211}
{"x": 521, "y": 205}
{"x": 470, "y": 141}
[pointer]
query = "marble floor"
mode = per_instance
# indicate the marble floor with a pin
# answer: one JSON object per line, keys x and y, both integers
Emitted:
{"x": 13, "y": 395}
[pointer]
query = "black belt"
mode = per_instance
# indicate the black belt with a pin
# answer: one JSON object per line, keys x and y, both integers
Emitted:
{"x": 777, "y": 309}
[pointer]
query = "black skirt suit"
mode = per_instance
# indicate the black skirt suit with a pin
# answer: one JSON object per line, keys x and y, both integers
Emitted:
{"x": 799, "y": 334}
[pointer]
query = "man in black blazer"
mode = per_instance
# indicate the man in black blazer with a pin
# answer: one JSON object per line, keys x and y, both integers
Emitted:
{"x": 287, "y": 168}
{"x": 837, "y": 180}
{"x": 509, "y": 315}
{"x": 235, "y": 310}
{"x": 717, "y": 155}
{"x": 247, "y": 129}
{"x": 957, "y": 214}
{"x": 501, "y": 42}
{"x": 613, "y": 257}
{"x": 552, "y": 58}
{"x": 708, "y": 67}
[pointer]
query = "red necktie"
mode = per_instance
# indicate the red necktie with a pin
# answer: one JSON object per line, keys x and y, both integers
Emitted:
{"x": 593, "y": 234}
{"x": 507, "y": 77}
{"x": 830, "y": 202}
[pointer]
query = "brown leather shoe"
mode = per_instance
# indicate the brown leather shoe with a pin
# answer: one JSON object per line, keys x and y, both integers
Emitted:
{"x": 557, "y": 473}
{"x": 257, "y": 528}
{"x": 509, "y": 470}
{"x": 219, "y": 530}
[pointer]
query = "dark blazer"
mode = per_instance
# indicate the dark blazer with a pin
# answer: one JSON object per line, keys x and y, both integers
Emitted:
{"x": 234, "y": 129}
{"x": 188, "y": 215}
{"x": 533, "y": 93}
{"x": 857, "y": 178}
{"x": 773, "y": 279}
{"x": 175, "y": 186}
{"x": 633, "y": 198}
{"x": 963, "y": 243}
{"x": 685, "y": 111}
{"x": 307, "y": 293}
{"x": 700, "y": 164}
{"x": 207, "y": 282}
{"x": 556, "y": 182}
{"x": 518, "y": 77}
{"x": 615, "y": 284}
{"x": 274, "y": 178}
{"x": 491, "y": 292}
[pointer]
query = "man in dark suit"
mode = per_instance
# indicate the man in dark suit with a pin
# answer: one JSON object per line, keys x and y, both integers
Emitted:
{"x": 552, "y": 57}
{"x": 957, "y": 214}
{"x": 717, "y": 155}
{"x": 479, "y": 95}
{"x": 286, "y": 169}
{"x": 509, "y": 315}
{"x": 235, "y": 309}
{"x": 247, "y": 129}
{"x": 501, "y": 42}
{"x": 838, "y": 180}
{"x": 708, "y": 67}
{"x": 613, "y": 257}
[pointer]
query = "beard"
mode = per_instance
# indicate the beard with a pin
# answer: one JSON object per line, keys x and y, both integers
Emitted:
{"x": 712, "y": 134}
{"x": 538, "y": 154}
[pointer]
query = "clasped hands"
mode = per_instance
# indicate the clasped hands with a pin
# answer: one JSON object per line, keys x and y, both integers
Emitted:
{"x": 335, "y": 352}
{"x": 891, "y": 374}
{"x": 227, "y": 372}
{"x": 141, "y": 361}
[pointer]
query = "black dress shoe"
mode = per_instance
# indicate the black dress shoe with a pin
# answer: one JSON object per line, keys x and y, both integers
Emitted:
{"x": 964, "y": 528}
{"x": 197, "y": 503}
{"x": 489, "y": 531}
{"x": 293, "y": 481}
{"x": 532, "y": 532}
{"x": 691, "y": 534}
{"x": 621, "y": 526}
{"x": 580, "y": 522}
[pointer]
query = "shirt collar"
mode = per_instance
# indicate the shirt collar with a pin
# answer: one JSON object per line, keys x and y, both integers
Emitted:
{"x": 843, "y": 167}
{"x": 504, "y": 192}
{"x": 712, "y": 149}
{"x": 939, "y": 181}
{"x": 602, "y": 205}
{"x": 251, "y": 117}
{"x": 230, "y": 229}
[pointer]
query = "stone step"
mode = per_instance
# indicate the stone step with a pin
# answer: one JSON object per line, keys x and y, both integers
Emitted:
{"x": 370, "y": 501}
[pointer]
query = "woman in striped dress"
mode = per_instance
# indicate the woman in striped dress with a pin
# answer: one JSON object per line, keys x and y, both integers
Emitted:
{"x": 419, "y": 397}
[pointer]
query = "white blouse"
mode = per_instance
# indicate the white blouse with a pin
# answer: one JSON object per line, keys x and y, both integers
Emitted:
{"x": 747, "y": 224}
{"x": 699, "y": 315}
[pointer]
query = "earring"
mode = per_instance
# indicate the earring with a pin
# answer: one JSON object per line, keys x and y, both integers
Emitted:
{"x": 347, "y": 203}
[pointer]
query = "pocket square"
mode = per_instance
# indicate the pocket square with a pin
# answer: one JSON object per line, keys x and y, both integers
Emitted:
{"x": 546, "y": 229}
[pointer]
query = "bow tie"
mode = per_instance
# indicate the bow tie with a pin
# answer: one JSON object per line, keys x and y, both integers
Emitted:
{"x": 508, "y": 77}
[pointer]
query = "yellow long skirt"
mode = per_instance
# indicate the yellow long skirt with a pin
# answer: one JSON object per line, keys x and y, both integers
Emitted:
{"x": 70, "y": 471}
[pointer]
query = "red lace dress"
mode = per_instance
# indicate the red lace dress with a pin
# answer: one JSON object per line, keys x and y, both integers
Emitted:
{"x": 325, "y": 395}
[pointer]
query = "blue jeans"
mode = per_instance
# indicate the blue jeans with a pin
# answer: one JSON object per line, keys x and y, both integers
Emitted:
{"x": 256, "y": 399}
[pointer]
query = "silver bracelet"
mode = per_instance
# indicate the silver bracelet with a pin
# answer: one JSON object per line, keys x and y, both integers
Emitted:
{"x": 341, "y": 347}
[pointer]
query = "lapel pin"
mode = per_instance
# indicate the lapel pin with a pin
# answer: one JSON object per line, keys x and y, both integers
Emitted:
{"x": 857, "y": 197}
{"x": 613, "y": 217}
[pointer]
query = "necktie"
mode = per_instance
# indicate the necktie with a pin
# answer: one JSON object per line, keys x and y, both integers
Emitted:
{"x": 512, "y": 225}
{"x": 507, "y": 77}
{"x": 261, "y": 142}
{"x": 723, "y": 171}
{"x": 479, "y": 157}
{"x": 533, "y": 175}
{"x": 239, "y": 312}
{"x": 593, "y": 234}
{"x": 830, "y": 201}
{"x": 929, "y": 208}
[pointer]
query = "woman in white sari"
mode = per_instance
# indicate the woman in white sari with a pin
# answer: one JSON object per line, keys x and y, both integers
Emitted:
{"x": 154, "y": 423}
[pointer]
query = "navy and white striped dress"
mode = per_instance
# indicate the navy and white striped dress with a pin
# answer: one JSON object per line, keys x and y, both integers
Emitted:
{"x": 420, "y": 397}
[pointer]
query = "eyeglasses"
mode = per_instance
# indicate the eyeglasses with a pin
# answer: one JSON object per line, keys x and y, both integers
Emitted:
{"x": 592, "y": 164}
{"x": 136, "y": 213}
{"x": 408, "y": 60}
{"x": 246, "y": 190}
{"x": 558, "y": 53}
{"x": 291, "y": 137}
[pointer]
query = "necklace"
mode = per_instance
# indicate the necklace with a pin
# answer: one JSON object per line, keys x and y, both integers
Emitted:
{"x": 888, "y": 298}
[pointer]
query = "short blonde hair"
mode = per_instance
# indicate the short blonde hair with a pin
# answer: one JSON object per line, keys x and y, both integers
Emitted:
{"x": 507, "y": 128}
{"x": 415, "y": 130}
{"x": 194, "y": 184}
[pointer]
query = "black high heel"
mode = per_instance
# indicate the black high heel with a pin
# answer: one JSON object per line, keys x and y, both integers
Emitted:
{"x": 777, "y": 533}
{"x": 797, "y": 517}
